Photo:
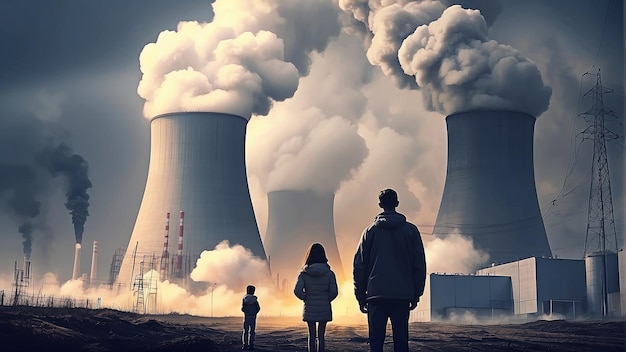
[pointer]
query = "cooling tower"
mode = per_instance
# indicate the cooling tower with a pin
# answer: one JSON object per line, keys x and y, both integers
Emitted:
{"x": 297, "y": 219}
{"x": 197, "y": 165}
{"x": 489, "y": 193}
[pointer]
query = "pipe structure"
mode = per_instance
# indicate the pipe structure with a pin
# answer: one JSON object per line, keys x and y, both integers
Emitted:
{"x": 94, "y": 264}
{"x": 197, "y": 163}
{"x": 489, "y": 193}
{"x": 297, "y": 219}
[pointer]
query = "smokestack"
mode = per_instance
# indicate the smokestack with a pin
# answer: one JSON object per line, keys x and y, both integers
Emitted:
{"x": 179, "y": 255}
{"x": 27, "y": 270}
{"x": 297, "y": 219}
{"x": 94, "y": 263}
{"x": 165, "y": 256}
{"x": 489, "y": 193}
{"x": 76, "y": 270}
{"x": 197, "y": 163}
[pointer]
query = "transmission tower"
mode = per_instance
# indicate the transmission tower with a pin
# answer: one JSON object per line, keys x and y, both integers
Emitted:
{"x": 601, "y": 235}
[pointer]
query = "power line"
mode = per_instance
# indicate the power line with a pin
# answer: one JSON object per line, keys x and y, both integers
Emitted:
{"x": 606, "y": 14}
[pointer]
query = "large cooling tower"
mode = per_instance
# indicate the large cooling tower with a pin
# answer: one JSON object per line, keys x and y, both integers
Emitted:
{"x": 197, "y": 165}
{"x": 489, "y": 193}
{"x": 297, "y": 219}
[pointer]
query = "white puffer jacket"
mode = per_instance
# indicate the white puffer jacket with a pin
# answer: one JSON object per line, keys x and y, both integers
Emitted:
{"x": 317, "y": 287}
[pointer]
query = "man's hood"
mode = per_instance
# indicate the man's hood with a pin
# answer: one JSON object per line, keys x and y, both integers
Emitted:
{"x": 249, "y": 299}
{"x": 389, "y": 220}
{"x": 316, "y": 269}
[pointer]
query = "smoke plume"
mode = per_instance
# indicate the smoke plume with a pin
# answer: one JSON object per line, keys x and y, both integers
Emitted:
{"x": 23, "y": 183}
{"x": 26, "y": 229}
{"x": 447, "y": 54}
{"x": 249, "y": 56}
{"x": 316, "y": 153}
{"x": 233, "y": 267}
{"x": 61, "y": 159}
{"x": 311, "y": 141}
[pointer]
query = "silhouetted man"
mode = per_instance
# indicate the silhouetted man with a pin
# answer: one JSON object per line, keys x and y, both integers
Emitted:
{"x": 389, "y": 273}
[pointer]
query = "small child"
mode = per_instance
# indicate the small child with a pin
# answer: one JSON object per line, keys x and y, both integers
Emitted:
{"x": 250, "y": 308}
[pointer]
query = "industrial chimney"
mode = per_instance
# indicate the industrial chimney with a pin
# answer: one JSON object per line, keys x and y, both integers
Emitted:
{"x": 197, "y": 164}
{"x": 76, "y": 270}
{"x": 297, "y": 219}
{"x": 489, "y": 193}
{"x": 94, "y": 263}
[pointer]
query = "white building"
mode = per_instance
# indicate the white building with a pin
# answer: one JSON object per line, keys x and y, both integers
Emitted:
{"x": 545, "y": 285}
{"x": 523, "y": 289}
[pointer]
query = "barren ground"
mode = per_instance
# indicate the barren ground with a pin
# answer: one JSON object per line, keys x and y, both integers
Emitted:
{"x": 77, "y": 329}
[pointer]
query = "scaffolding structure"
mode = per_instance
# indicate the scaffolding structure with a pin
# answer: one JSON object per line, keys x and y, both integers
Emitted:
{"x": 116, "y": 263}
{"x": 145, "y": 286}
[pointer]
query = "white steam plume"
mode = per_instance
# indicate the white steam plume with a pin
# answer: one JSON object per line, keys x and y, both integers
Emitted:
{"x": 390, "y": 26}
{"x": 459, "y": 69}
{"x": 316, "y": 153}
{"x": 234, "y": 267}
{"x": 454, "y": 254}
{"x": 311, "y": 141}
{"x": 249, "y": 56}
{"x": 445, "y": 52}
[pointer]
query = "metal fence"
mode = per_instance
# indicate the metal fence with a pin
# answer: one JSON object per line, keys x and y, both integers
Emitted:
{"x": 43, "y": 300}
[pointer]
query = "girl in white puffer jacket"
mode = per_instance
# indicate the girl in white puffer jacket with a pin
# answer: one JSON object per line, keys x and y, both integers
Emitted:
{"x": 317, "y": 287}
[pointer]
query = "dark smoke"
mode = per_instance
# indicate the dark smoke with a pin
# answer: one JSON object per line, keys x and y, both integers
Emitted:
{"x": 22, "y": 182}
{"x": 62, "y": 160}
{"x": 26, "y": 229}
{"x": 30, "y": 156}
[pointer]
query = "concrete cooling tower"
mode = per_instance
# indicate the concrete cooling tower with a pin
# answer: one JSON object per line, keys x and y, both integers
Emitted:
{"x": 297, "y": 219}
{"x": 489, "y": 193}
{"x": 197, "y": 165}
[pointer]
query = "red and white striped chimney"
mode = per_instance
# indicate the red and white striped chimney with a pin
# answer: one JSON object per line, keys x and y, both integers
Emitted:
{"x": 179, "y": 258}
{"x": 165, "y": 256}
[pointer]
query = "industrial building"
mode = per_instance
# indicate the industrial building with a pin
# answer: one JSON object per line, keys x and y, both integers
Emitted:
{"x": 197, "y": 173}
{"x": 529, "y": 288}
{"x": 296, "y": 219}
{"x": 489, "y": 192}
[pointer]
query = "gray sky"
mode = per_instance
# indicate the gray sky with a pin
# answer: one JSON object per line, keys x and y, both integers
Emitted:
{"x": 70, "y": 71}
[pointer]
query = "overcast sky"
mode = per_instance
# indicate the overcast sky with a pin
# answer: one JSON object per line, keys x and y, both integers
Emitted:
{"x": 69, "y": 72}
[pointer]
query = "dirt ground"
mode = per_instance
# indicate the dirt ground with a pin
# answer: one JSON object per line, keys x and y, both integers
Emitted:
{"x": 77, "y": 329}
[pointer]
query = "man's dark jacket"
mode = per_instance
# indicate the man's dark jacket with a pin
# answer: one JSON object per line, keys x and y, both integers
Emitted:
{"x": 390, "y": 262}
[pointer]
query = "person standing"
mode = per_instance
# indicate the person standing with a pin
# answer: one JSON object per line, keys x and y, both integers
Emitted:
{"x": 317, "y": 287}
{"x": 250, "y": 308}
{"x": 389, "y": 273}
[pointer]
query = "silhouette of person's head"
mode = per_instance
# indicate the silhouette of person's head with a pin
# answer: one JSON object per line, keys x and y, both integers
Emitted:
{"x": 315, "y": 254}
{"x": 388, "y": 199}
{"x": 250, "y": 289}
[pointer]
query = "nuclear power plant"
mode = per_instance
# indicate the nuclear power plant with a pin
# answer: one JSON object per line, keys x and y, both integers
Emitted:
{"x": 489, "y": 193}
{"x": 197, "y": 168}
{"x": 296, "y": 219}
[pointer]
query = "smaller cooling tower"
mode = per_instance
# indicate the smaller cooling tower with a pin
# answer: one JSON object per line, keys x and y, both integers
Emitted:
{"x": 297, "y": 219}
{"x": 490, "y": 193}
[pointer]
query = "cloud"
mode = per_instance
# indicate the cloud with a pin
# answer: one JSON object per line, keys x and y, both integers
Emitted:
{"x": 233, "y": 267}
{"x": 248, "y": 57}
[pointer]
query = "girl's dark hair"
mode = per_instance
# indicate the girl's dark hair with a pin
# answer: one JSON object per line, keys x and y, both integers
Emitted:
{"x": 315, "y": 254}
